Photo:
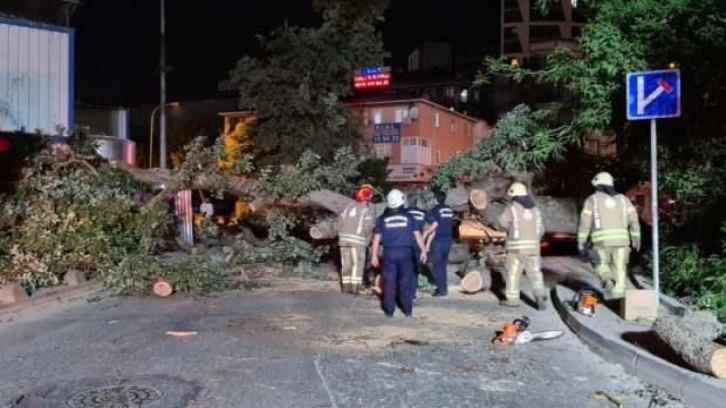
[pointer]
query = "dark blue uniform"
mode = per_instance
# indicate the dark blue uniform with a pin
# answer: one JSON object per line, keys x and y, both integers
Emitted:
{"x": 419, "y": 217}
{"x": 443, "y": 215}
{"x": 397, "y": 231}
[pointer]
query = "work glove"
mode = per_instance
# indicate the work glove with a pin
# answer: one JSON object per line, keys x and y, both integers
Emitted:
{"x": 636, "y": 245}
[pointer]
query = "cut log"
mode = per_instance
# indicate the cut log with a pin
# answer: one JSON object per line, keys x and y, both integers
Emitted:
{"x": 473, "y": 229}
{"x": 458, "y": 198}
{"x": 692, "y": 338}
{"x": 325, "y": 229}
{"x": 478, "y": 199}
{"x": 477, "y": 278}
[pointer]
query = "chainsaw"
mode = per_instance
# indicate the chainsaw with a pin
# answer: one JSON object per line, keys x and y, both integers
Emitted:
{"x": 515, "y": 332}
{"x": 585, "y": 301}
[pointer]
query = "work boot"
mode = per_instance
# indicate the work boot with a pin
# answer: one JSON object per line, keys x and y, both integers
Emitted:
{"x": 347, "y": 288}
{"x": 608, "y": 285}
{"x": 508, "y": 303}
{"x": 541, "y": 303}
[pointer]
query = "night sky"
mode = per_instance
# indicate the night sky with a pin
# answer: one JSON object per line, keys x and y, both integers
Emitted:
{"x": 117, "y": 42}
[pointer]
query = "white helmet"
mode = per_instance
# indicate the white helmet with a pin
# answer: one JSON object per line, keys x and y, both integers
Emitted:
{"x": 395, "y": 199}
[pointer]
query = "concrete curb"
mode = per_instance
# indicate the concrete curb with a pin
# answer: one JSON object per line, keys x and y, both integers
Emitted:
{"x": 697, "y": 390}
{"x": 58, "y": 294}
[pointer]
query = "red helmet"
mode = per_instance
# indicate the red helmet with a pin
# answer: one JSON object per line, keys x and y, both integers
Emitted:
{"x": 364, "y": 193}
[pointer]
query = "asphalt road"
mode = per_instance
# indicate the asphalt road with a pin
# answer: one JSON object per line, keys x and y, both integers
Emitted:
{"x": 297, "y": 344}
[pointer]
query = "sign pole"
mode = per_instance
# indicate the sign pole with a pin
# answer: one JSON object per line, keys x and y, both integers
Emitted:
{"x": 654, "y": 205}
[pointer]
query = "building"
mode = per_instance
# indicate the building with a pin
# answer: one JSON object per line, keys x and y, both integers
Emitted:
{"x": 415, "y": 135}
{"x": 529, "y": 36}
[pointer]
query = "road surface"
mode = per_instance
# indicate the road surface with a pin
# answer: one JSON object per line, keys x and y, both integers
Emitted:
{"x": 297, "y": 344}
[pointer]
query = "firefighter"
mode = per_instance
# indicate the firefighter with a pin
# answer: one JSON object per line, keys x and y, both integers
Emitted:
{"x": 439, "y": 237}
{"x": 523, "y": 222}
{"x": 356, "y": 227}
{"x": 417, "y": 215}
{"x": 394, "y": 231}
{"x": 610, "y": 220}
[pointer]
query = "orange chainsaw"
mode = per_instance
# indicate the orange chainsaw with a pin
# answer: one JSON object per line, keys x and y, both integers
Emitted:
{"x": 585, "y": 301}
{"x": 515, "y": 332}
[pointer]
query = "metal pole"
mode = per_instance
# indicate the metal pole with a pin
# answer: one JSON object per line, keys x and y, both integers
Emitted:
{"x": 162, "y": 119}
{"x": 151, "y": 137}
{"x": 654, "y": 205}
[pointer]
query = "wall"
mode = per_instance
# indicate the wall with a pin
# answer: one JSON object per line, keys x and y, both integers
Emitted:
{"x": 36, "y": 76}
{"x": 105, "y": 121}
{"x": 439, "y": 132}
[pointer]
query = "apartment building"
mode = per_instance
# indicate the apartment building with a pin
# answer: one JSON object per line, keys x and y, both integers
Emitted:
{"x": 415, "y": 134}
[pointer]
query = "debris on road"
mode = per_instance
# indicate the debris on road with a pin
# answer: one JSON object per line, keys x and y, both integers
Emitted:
{"x": 181, "y": 333}
{"x": 604, "y": 395}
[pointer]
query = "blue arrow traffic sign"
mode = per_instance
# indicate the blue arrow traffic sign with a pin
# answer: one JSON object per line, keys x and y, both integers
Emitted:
{"x": 653, "y": 94}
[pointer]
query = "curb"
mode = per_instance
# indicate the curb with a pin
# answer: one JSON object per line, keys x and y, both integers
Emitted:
{"x": 697, "y": 390}
{"x": 58, "y": 294}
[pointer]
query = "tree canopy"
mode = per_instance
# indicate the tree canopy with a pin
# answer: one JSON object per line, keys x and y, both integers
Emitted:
{"x": 296, "y": 83}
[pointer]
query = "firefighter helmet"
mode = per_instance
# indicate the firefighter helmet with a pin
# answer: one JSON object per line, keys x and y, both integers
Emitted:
{"x": 603, "y": 179}
{"x": 517, "y": 189}
{"x": 364, "y": 193}
{"x": 396, "y": 199}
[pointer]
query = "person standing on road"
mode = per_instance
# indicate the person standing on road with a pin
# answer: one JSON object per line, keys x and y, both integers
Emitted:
{"x": 610, "y": 220}
{"x": 394, "y": 230}
{"x": 523, "y": 222}
{"x": 439, "y": 238}
{"x": 419, "y": 216}
{"x": 356, "y": 227}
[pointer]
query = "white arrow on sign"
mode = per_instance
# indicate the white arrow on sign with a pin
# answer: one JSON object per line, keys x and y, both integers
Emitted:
{"x": 644, "y": 101}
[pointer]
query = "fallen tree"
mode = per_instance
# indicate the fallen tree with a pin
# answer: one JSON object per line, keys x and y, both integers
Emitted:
{"x": 692, "y": 338}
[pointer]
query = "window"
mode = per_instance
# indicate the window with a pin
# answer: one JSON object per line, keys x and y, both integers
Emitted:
{"x": 436, "y": 119}
{"x": 415, "y": 150}
{"x": 383, "y": 150}
{"x": 449, "y": 92}
{"x": 467, "y": 129}
{"x": 453, "y": 126}
{"x": 401, "y": 114}
{"x": 378, "y": 117}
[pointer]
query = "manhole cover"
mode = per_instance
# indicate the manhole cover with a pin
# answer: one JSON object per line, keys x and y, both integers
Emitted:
{"x": 122, "y": 396}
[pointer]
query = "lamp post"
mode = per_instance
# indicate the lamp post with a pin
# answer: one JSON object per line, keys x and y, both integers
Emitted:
{"x": 151, "y": 130}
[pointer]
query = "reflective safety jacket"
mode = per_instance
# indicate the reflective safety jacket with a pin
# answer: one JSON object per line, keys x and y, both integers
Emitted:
{"x": 356, "y": 225}
{"x": 609, "y": 221}
{"x": 524, "y": 229}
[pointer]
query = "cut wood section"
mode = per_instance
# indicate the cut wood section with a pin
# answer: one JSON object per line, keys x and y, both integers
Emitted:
{"x": 163, "y": 289}
{"x": 691, "y": 337}
{"x": 477, "y": 279}
{"x": 473, "y": 229}
{"x": 325, "y": 229}
{"x": 478, "y": 199}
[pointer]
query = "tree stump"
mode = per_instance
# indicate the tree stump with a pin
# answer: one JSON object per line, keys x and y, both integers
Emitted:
{"x": 692, "y": 338}
{"x": 74, "y": 277}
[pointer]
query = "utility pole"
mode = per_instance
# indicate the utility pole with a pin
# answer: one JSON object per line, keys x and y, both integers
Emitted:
{"x": 162, "y": 103}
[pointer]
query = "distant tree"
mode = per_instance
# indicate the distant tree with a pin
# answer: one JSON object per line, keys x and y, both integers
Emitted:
{"x": 295, "y": 85}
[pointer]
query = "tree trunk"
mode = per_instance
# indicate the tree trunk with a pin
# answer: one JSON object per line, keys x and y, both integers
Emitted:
{"x": 459, "y": 253}
{"x": 691, "y": 337}
{"x": 477, "y": 278}
{"x": 558, "y": 214}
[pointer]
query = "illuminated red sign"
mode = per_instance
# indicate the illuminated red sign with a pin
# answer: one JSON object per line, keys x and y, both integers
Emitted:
{"x": 372, "y": 78}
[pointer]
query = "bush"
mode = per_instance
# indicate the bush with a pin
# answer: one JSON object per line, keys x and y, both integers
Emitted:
{"x": 698, "y": 280}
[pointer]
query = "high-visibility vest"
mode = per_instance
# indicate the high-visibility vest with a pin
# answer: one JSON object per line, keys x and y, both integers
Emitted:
{"x": 610, "y": 221}
{"x": 524, "y": 229}
{"x": 356, "y": 225}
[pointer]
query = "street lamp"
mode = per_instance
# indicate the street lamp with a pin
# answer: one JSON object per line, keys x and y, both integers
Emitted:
{"x": 151, "y": 130}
